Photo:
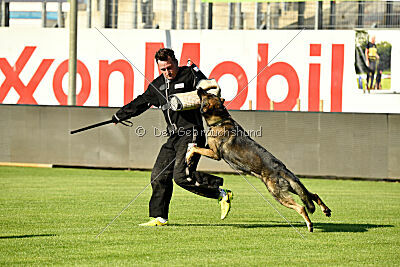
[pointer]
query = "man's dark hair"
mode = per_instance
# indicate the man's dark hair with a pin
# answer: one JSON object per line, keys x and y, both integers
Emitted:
{"x": 164, "y": 53}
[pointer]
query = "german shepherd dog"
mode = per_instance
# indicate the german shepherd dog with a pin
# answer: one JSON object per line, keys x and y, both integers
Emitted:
{"x": 227, "y": 140}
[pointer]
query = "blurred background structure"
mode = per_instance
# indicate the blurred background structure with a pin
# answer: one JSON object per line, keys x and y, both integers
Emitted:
{"x": 195, "y": 14}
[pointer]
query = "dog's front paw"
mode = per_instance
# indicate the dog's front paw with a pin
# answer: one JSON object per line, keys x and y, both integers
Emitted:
{"x": 310, "y": 227}
{"x": 189, "y": 156}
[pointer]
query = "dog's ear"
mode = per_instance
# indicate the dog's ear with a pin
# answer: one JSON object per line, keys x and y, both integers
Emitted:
{"x": 222, "y": 100}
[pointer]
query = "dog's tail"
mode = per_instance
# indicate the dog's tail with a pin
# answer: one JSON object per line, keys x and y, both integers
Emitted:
{"x": 299, "y": 189}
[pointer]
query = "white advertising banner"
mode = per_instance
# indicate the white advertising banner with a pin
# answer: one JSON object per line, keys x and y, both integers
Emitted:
{"x": 283, "y": 70}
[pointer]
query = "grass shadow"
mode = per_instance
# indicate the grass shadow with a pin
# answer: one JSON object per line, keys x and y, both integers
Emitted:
{"x": 25, "y": 236}
{"x": 237, "y": 225}
{"x": 348, "y": 227}
{"x": 324, "y": 227}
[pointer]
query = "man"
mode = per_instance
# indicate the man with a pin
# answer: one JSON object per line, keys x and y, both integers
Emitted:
{"x": 371, "y": 56}
{"x": 170, "y": 163}
{"x": 378, "y": 80}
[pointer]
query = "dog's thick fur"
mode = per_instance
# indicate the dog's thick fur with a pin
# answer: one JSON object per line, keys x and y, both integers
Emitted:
{"x": 227, "y": 140}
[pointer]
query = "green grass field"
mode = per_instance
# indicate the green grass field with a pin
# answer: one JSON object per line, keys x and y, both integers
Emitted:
{"x": 385, "y": 83}
{"x": 52, "y": 217}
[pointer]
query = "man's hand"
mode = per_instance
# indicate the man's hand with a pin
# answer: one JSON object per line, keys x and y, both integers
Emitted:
{"x": 125, "y": 122}
{"x": 115, "y": 119}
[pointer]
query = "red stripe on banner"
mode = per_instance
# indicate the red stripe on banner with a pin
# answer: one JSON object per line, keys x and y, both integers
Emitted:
{"x": 314, "y": 78}
{"x": 337, "y": 77}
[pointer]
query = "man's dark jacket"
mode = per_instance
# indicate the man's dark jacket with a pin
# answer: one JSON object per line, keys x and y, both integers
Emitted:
{"x": 157, "y": 94}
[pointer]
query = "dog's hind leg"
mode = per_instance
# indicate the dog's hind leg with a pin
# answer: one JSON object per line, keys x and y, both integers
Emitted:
{"x": 306, "y": 196}
{"x": 283, "y": 197}
{"x": 324, "y": 208}
{"x": 299, "y": 189}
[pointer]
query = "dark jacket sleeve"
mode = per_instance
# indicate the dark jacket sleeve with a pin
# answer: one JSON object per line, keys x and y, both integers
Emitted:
{"x": 139, "y": 105}
{"x": 197, "y": 74}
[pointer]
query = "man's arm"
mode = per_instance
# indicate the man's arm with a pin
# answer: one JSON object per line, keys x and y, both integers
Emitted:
{"x": 137, "y": 106}
{"x": 197, "y": 75}
{"x": 366, "y": 55}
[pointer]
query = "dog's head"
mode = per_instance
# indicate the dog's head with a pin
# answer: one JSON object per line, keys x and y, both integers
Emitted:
{"x": 211, "y": 105}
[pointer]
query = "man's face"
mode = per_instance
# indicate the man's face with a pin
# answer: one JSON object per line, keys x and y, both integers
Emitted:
{"x": 168, "y": 68}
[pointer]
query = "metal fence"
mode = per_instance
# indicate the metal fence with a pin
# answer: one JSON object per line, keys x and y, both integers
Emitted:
{"x": 195, "y": 14}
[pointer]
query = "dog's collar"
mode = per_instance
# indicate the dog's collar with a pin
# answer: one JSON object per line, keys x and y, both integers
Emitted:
{"x": 220, "y": 122}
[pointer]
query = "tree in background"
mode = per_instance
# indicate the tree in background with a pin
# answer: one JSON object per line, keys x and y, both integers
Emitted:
{"x": 385, "y": 52}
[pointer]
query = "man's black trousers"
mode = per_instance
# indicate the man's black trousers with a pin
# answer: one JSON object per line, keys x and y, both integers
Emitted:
{"x": 171, "y": 164}
{"x": 371, "y": 73}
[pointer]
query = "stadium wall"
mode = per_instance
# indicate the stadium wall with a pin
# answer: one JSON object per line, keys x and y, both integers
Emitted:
{"x": 309, "y": 143}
